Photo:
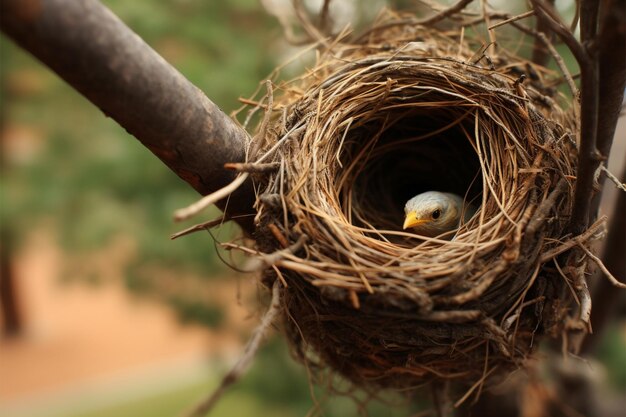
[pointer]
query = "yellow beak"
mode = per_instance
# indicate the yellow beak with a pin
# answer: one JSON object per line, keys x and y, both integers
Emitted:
{"x": 411, "y": 220}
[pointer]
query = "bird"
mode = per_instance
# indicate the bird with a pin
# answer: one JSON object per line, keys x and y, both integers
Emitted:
{"x": 433, "y": 212}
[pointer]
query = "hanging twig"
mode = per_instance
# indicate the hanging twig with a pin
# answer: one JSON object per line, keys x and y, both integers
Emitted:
{"x": 199, "y": 227}
{"x": 244, "y": 362}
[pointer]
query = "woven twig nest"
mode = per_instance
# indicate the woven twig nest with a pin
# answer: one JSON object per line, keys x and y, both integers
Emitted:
{"x": 380, "y": 118}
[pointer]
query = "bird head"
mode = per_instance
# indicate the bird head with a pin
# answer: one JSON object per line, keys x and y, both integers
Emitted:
{"x": 432, "y": 213}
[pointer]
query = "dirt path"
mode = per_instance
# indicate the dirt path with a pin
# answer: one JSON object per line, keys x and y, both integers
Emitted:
{"x": 78, "y": 333}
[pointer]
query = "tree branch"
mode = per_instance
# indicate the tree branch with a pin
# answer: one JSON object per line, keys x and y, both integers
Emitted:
{"x": 588, "y": 157}
{"x": 612, "y": 68}
{"x": 91, "y": 49}
{"x": 588, "y": 20}
{"x": 551, "y": 20}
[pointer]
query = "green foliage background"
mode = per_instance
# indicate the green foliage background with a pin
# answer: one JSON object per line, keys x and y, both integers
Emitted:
{"x": 86, "y": 178}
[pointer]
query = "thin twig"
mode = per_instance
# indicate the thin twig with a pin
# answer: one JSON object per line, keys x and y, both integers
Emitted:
{"x": 491, "y": 48}
{"x": 454, "y": 9}
{"x": 198, "y": 206}
{"x": 199, "y": 227}
{"x": 253, "y": 167}
{"x": 512, "y": 19}
{"x": 212, "y": 198}
{"x": 273, "y": 258}
{"x": 569, "y": 78}
{"x": 540, "y": 36}
{"x": 588, "y": 234}
{"x": 313, "y": 33}
{"x": 546, "y": 13}
{"x": 244, "y": 362}
{"x": 583, "y": 294}
{"x": 620, "y": 185}
{"x": 603, "y": 268}
{"x": 541, "y": 214}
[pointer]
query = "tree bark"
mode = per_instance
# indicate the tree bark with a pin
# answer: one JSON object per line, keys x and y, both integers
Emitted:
{"x": 612, "y": 67}
{"x": 98, "y": 55}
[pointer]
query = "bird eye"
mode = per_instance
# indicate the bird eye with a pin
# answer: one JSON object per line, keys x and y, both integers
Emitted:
{"x": 436, "y": 214}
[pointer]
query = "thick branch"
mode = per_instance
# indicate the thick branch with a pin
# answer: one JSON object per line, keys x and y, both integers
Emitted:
{"x": 612, "y": 68}
{"x": 91, "y": 49}
{"x": 607, "y": 64}
{"x": 588, "y": 157}
{"x": 588, "y": 19}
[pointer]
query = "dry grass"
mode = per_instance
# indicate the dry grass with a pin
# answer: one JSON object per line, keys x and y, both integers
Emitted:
{"x": 381, "y": 117}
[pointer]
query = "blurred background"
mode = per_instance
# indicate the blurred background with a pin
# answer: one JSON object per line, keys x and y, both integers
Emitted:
{"x": 104, "y": 315}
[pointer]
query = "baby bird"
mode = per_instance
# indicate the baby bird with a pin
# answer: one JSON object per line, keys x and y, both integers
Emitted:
{"x": 433, "y": 213}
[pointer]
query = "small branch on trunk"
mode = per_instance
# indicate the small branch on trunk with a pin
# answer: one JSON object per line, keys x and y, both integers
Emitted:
{"x": 588, "y": 157}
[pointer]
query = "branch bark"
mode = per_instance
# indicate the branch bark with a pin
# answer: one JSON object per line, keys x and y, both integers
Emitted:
{"x": 612, "y": 68}
{"x": 98, "y": 55}
{"x": 597, "y": 120}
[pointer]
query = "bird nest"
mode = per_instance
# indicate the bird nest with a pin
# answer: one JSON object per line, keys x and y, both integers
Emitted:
{"x": 380, "y": 118}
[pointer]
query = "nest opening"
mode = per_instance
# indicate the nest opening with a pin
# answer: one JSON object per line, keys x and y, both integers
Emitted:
{"x": 384, "y": 166}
